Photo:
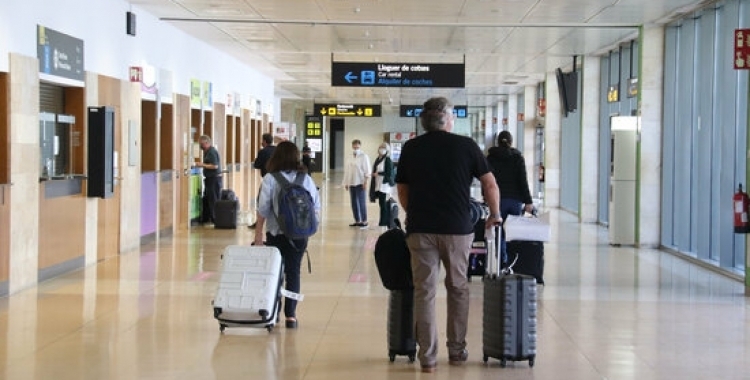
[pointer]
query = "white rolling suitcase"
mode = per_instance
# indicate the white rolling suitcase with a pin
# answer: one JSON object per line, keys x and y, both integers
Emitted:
{"x": 249, "y": 291}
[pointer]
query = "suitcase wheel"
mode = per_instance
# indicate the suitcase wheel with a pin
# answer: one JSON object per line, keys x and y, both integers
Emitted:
{"x": 485, "y": 358}
{"x": 392, "y": 357}
{"x": 222, "y": 327}
{"x": 269, "y": 328}
{"x": 412, "y": 357}
{"x": 503, "y": 362}
{"x": 531, "y": 362}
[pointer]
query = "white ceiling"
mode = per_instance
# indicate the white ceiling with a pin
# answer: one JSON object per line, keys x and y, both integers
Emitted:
{"x": 505, "y": 44}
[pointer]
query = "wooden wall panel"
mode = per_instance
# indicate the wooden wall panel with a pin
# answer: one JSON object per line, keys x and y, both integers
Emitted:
{"x": 183, "y": 158}
{"x": 149, "y": 135}
{"x": 166, "y": 138}
{"x": 75, "y": 104}
{"x": 4, "y": 130}
{"x": 4, "y": 179}
{"x": 62, "y": 229}
{"x": 4, "y": 232}
{"x": 166, "y": 205}
{"x": 108, "y": 235}
{"x": 229, "y": 141}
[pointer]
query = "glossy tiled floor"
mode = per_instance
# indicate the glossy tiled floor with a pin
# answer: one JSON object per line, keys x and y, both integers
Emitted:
{"x": 605, "y": 313}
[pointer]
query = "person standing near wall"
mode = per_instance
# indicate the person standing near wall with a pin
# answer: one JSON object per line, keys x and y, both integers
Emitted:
{"x": 509, "y": 168}
{"x": 355, "y": 181}
{"x": 433, "y": 180}
{"x": 382, "y": 180}
{"x": 212, "y": 178}
{"x": 262, "y": 160}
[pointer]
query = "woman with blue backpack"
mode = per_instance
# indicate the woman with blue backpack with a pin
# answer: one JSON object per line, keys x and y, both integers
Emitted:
{"x": 288, "y": 208}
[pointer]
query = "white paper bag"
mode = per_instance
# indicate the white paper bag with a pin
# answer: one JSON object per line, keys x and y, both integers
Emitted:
{"x": 527, "y": 228}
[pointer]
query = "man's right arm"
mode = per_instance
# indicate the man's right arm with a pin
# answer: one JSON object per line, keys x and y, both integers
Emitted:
{"x": 403, "y": 195}
{"x": 491, "y": 197}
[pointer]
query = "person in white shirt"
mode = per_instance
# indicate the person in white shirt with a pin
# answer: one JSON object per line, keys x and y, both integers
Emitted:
{"x": 355, "y": 181}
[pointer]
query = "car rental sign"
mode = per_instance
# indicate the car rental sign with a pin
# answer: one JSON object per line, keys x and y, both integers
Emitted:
{"x": 370, "y": 74}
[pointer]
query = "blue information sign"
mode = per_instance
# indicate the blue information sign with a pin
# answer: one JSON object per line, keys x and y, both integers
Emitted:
{"x": 414, "y": 111}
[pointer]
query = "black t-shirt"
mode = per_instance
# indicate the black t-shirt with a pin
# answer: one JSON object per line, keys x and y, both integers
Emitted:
{"x": 439, "y": 167}
{"x": 211, "y": 156}
{"x": 262, "y": 159}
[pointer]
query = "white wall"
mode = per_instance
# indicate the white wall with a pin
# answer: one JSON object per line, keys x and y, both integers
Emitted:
{"x": 110, "y": 51}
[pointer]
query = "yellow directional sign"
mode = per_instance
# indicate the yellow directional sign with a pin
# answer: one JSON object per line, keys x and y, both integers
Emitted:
{"x": 347, "y": 110}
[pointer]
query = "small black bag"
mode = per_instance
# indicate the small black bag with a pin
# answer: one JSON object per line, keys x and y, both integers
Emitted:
{"x": 393, "y": 259}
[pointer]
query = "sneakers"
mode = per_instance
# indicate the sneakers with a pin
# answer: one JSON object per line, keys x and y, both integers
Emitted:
{"x": 429, "y": 368}
{"x": 458, "y": 358}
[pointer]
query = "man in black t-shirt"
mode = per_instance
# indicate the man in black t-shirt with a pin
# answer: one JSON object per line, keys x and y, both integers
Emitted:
{"x": 212, "y": 178}
{"x": 434, "y": 177}
{"x": 260, "y": 162}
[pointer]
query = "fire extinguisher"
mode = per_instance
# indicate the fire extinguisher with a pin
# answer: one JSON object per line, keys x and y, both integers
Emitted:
{"x": 741, "y": 203}
{"x": 541, "y": 172}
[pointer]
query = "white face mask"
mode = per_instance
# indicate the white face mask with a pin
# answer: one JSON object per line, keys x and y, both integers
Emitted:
{"x": 382, "y": 151}
{"x": 357, "y": 151}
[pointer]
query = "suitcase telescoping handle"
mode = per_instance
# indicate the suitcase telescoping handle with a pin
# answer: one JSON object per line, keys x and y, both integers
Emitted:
{"x": 494, "y": 259}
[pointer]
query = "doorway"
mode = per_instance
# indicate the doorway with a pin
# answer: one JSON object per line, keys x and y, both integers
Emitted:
{"x": 336, "y": 150}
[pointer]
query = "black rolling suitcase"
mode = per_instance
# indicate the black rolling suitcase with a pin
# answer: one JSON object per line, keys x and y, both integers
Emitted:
{"x": 527, "y": 257}
{"x": 401, "y": 339}
{"x": 225, "y": 210}
{"x": 509, "y": 319}
{"x": 394, "y": 266}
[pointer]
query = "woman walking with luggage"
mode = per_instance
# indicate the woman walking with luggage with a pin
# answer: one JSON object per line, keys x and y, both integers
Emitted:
{"x": 286, "y": 161}
{"x": 382, "y": 180}
{"x": 509, "y": 168}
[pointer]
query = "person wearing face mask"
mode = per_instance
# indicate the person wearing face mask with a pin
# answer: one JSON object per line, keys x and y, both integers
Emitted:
{"x": 382, "y": 180}
{"x": 355, "y": 181}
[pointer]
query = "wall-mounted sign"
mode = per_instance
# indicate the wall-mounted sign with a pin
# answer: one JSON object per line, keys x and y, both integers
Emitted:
{"x": 742, "y": 49}
{"x": 196, "y": 93}
{"x": 415, "y": 110}
{"x": 613, "y": 93}
{"x": 59, "y": 54}
{"x": 313, "y": 127}
{"x": 371, "y": 74}
{"x": 347, "y": 110}
{"x": 521, "y": 117}
{"x": 632, "y": 87}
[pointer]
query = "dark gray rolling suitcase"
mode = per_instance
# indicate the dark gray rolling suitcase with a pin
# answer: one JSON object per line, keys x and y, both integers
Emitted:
{"x": 225, "y": 214}
{"x": 401, "y": 340}
{"x": 509, "y": 314}
{"x": 392, "y": 207}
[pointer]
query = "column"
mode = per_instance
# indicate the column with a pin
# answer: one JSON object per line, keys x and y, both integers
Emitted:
{"x": 24, "y": 172}
{"x": 552, "y": 134}
{"x": 513, "y": 116}
{"x": 590, "y": 139}
{"x": 650, "y": 97}
{"x": 529, "y": 135}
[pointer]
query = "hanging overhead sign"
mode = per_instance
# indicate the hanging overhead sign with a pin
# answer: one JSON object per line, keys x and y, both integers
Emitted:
{"x": 59, "y": 54}
{"x": 371, "y": 74}
{"x": 415, "y": 110}
{"x": 347, "y": 110}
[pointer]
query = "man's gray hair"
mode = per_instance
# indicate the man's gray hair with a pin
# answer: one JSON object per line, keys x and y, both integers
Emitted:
{"x": 435, "y": 114}
{"x": 205, "y": 138}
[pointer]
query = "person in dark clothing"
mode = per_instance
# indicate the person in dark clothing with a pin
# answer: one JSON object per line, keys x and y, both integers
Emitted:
{"x": 265, "y": 154}
{"x": 509, "y": 168}
{"x": 433, "y": 181}
{"x": 307, "y": 158}
{"x": 212, "y": 178}
{"x": 382, "y": 181}
{"x": 262, "y": 160}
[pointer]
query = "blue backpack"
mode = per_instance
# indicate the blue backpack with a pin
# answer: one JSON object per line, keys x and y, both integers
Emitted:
{"x": 296, "y": 210}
